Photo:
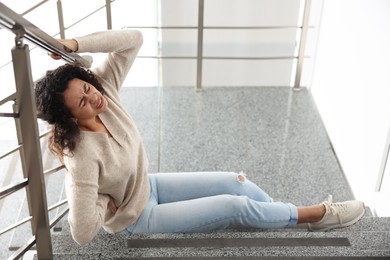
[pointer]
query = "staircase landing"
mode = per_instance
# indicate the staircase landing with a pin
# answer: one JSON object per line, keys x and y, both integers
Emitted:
{"x": 274, "y": 135}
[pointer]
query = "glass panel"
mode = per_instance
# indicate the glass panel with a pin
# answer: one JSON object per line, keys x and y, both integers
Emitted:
{"x": 249, "y": 43}
{"x": 8, "y": 81}
{"x": 8, "y": 138}
{"x": 96, "y": 22}
{"x": 178, "y": 73}
{"x": 382, "y": 198}
{"x": 247, "y": 72}
{"x": 6, "y": 44}
{"x": 150, "y": 43}
{"x": 74, "y": 10}
{"x": 20, "y": 6}
{"x": 13, "y": 209}
{"x": 382, "y": 207}
{"x": 251, "y": 12}
{"x": 45, "y": 18}
{"x": 41, "y": 62}
{"x": 143, "y": 73}
{"x": 134, "y": 13}
{"x": 179, "y": 13}
{"x": 179, "y": 42}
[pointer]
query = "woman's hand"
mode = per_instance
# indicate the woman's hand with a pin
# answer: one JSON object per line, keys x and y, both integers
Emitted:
{"x": 112, "y": 206}
{"x": 71, "y": 45}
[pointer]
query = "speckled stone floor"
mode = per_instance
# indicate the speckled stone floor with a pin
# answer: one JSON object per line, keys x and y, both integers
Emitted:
{"x": 275, "y": 135}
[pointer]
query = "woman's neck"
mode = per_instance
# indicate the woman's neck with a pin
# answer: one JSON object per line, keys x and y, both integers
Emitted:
{"x": 94, "y": 125}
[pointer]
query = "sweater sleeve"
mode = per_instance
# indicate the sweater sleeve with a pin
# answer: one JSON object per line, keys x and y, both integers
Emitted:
{"x": 122, "y": 47}
{"x": 87, "y": 206}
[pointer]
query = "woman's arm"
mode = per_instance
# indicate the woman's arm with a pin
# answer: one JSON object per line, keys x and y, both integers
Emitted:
{"x": 87, "y": 212}
{"x": 88, "y": 207}
{"x": 122, "y": 47}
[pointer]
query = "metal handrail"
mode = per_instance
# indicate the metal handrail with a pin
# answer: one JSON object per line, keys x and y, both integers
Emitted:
{"x": 24, "y": 29}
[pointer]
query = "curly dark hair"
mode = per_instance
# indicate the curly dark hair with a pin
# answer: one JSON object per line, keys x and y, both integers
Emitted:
{"x": 51, "y": 107}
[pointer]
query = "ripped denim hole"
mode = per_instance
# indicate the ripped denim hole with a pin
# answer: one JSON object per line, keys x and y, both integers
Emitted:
{"x": 241, "y": 177}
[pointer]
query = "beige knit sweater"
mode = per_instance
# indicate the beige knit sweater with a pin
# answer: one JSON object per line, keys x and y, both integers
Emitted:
{"x": 101, "y": 166}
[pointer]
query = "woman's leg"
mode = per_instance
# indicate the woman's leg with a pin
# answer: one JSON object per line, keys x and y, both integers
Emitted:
{"x": 194, "y": 202}
{"x": 172, "y": 187}
{"x": 214, "y": 213}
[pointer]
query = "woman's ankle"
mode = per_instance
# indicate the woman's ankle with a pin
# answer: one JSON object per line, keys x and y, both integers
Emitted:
{"x": 311, "y": 213}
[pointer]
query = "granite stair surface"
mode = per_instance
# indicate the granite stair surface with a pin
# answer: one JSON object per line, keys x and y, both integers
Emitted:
{"x": 276, "y": 136}
{"x": 370, "y": 237}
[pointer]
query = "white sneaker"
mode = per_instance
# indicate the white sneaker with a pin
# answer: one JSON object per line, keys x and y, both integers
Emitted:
{"x": 337, "y": 215}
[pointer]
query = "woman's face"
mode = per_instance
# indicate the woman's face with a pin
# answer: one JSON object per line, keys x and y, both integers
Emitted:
{"x": 84, "y": 100}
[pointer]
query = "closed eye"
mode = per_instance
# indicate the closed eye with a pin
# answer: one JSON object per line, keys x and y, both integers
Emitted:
{"x": 86, "y": 89}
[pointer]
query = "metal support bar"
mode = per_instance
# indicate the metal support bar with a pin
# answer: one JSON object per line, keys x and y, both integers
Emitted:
{"x": 11, "y": 97}
{"x": 108, "y": 13}
{"x": 31, "y": 148}
{"x": 200, "y": 46}
{"x": 17, "y": 224}
{"x": 302, "y": 45}
{"x": 59, "y": 217}
{"x": 61, "y": 19}
{"x": 58, "y": 204}
{"x": 15, "y": 115}
{"x": 10, "y": 151}
{"x": 7, "y": 190}
{"x": 53, "y": 170}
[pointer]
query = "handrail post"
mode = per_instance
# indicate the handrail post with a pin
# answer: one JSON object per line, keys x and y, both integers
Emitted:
{"x": 200, "y": 46}
{"x": 61, "y": 19}
{"x": 31, "y": 148}
{"x": 302, "y": 45}
{"x": 108, "y": 14}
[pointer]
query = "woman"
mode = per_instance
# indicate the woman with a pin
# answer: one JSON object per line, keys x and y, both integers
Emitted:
{"x": 107, "y": 181}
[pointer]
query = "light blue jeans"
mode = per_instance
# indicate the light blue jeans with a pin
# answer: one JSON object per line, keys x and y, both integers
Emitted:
{"x": 207, "y": 201}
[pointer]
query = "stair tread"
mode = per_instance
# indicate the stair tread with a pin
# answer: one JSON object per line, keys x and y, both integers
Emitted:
{"x": 366, "y": 223}
{"x": 116, "y": 245}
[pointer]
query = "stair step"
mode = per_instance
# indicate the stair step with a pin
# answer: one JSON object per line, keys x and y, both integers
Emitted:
{"x": 220, "y": 244}
{"x": 370, "y": 237}
{"x": 365, "y": 224}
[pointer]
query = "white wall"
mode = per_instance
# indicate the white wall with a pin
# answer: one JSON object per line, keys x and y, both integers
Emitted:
{"x": 351, "y": 86}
